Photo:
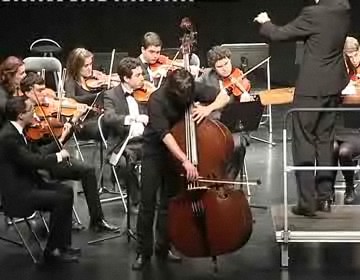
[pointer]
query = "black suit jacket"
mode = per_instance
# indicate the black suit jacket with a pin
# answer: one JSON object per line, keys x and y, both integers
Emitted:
{"x": 323, "y": 28}
{"x": 115, "y": 111}
{"x": 19, "y": 163}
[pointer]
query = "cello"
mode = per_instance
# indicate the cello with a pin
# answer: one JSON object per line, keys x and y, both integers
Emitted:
{"x": 215, "y": 218}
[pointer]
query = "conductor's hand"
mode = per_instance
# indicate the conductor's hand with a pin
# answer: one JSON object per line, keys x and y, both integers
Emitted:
{"x": 64, "y": 154}
{"x": 191, "y": 171}
{"x": 200, "y": 112}
{"x": 262, "y": 18}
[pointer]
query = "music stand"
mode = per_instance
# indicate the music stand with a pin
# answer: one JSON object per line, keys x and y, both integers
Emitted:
{"x": 247, "y": 113}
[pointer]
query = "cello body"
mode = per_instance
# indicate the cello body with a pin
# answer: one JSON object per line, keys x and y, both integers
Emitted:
{"x": 214, "y": 221}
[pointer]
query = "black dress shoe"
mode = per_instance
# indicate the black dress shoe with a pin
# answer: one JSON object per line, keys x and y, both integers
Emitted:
{"x": 140, "y": 262}
{"x": 77, "y": 227}
{"x": 349, "y": 196}
{"x": 302, "y": 211}
{"x": 57, "y": 255}
{"x": 324, "y": 205}
{"x": 72, "y": 251}
{"x": 167, "y": 255}
{"x": 102, "y": 225}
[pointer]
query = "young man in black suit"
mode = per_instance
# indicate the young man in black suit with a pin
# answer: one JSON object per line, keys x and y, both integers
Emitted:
{"x": 24, "y": 190}
{"x": 122, "y": 111}
{"x": 323, "y": 27}
{"x": 32, "y": 86}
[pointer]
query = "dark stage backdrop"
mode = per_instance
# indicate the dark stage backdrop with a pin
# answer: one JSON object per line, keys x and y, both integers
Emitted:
{"x": 101, "y": 27}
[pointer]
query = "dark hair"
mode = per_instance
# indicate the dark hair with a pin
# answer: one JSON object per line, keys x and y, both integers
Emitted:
{"x": 151, "y": 39}
{"x": 8, "y": 70}
{"x": 125, "y": 67}
{"x": 15, "y": 105}
{"x": 217, "y": 53}
{"x": 30, "y": 80}
{"x": 180, "y": 87}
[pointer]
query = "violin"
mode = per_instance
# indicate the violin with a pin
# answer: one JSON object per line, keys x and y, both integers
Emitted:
{"x": 99, "y": 81}
{"x": 39, "y": 128}
{"x": 143, "y": 94}
{"x": 164, "y": 63}
{"x": 236, "y": 82}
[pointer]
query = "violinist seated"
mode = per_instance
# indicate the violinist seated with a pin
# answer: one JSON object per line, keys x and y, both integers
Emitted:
{"x": 347, "y": 139}
{"x": 155, "y": 65}
{"x": 122, "y": 114}
{"x": 32, "y": 86}
{"x": 79, "y": 67}
{"x": 22, "y": 187}
{"x": 217, "y": 87}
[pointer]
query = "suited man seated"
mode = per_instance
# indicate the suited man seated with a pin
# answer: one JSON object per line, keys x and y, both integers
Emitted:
{"x": 123, "y": 114}
{"x": 23, "y": 189}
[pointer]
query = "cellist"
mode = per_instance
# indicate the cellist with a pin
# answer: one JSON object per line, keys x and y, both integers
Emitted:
{"x": 166, "y": 107}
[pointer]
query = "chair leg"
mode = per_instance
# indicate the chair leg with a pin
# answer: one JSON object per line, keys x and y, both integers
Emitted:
{"x": 76, "y": 216}
{"x": 246, "y": 179}
{"x": 44, "y": 222}
{"x": 78, "y": 147}
{"x": 24, "y": 242}
{"x": 119, "y": 188}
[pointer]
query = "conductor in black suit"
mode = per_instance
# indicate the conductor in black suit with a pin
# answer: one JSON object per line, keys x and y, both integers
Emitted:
{"x": 22, "y": 187}
{"x": 322, "y": 26}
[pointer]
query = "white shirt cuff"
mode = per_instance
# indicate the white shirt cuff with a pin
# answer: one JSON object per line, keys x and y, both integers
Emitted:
{"x": 59, "y": 157}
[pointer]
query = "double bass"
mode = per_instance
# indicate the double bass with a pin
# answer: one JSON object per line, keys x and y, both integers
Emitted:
{"x": 208, "y": 218}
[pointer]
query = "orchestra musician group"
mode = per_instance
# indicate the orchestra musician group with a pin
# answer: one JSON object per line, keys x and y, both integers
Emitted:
{"x": 331, "y": 59}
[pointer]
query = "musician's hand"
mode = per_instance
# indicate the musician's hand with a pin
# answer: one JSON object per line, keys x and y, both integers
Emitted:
{"x": 142, "y": 119}
{"x": 246, "y": 97}
{"x": 64, "y": 154}
{"x": 66, "y": 131}
{"x": 262, "y": 18}
{"x": 191, "y": 171}
{"x": 200, "y": 112}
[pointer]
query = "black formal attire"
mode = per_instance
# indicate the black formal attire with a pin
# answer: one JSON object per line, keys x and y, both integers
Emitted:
{"x": 207, "y": 89}
{"x": 322, "y": 76}
{"x": 115, "y": 110}
{"x": 4, "y": 96}
{"x": 89, "y": 128}
{"x": 146, "y": 70}
{"x": 24, "y": 189}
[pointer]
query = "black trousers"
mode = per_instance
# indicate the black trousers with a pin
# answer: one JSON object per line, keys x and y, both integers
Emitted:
{"x": 58, "y": 200}
{"x": 126, "y": 169}
{"x": 156, "y": 175}
{"x": 236, "y": 162}
{"x": 313, "y": 140}
{"x": 86, "y": 173}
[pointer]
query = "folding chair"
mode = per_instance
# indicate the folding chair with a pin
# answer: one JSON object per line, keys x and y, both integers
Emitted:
{"x": 120, "y": 193}
{"x": 47, "y": 64}
{"x": 45, "y": 46}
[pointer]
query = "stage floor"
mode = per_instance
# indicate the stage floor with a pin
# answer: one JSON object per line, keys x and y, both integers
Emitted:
{"x": 258, "y": 259}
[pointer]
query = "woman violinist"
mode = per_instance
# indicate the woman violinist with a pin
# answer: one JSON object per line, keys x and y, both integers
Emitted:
{"x": 12, "y": 70}
{"x": 80, "y": 69}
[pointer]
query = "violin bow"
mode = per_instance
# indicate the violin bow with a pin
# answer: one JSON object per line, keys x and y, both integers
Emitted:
{"x": 58, "y": 144}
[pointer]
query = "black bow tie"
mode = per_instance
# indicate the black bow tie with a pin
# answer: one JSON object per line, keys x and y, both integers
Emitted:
{"x": 128, "y": 94}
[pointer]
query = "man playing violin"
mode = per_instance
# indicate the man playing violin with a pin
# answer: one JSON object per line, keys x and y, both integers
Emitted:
{"x": 32, "y": 86}
{"x": 122, "y": 113}
{"x": 25, "y": 191}
{"x": 322, "y": 26}
{"x": 214, "y": 92}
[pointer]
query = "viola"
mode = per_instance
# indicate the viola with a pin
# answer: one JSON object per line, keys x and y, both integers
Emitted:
{"x": 39, "y": 128}
{"x": 143, "y": 94}
{"x": 68, "y": 107}
{"x": 236, "y": 82}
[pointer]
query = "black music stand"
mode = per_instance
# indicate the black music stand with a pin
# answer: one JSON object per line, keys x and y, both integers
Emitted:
{"x": 243, "y": 117}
